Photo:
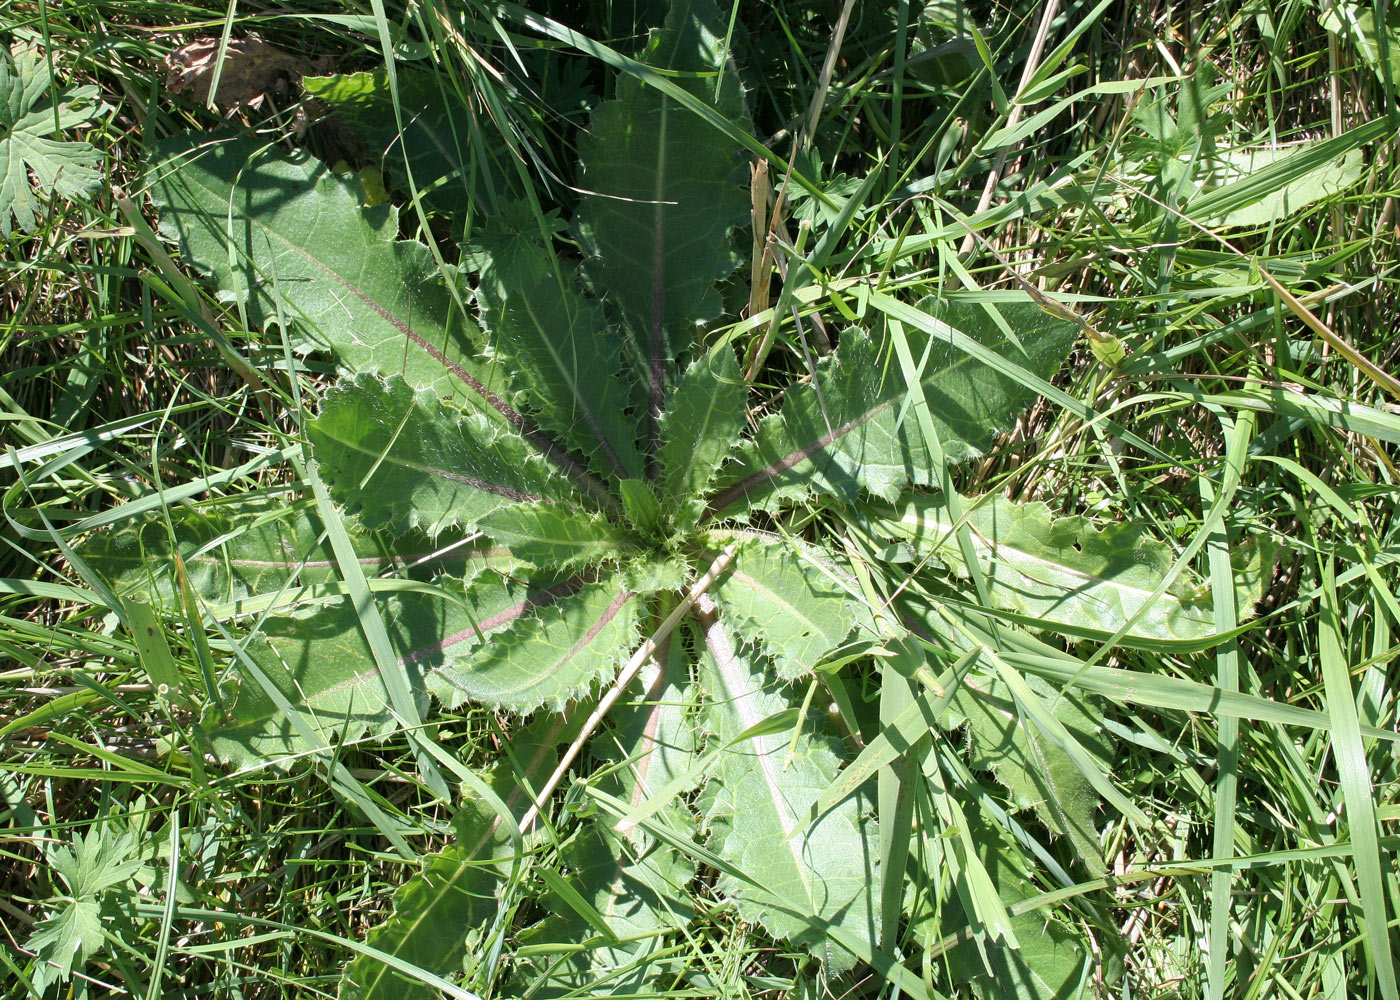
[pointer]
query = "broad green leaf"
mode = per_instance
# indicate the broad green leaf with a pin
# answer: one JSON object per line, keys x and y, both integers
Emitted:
{"x": 1303, "y": 179}
{"x": 1264, "y": 182}
{"x": 444, "y": 915}
{"x": 849, "y": 430}
{"x": 322, "y": 666}
{"x": 289, "y": 240}
{"x": 1357, "y": 22}
{"x": 400, "y": 458}
{"x": 550, "y": 656}
{"x": 666, "y": 188}
{"x": 568, "y": 359}
{"x": 756, "y": 807}
{"x": 1051, "y": 963}
{"x": 700, "y": 427}
{"x": 1061, "y": 570}
{"x": 321, "y": 662}
{"x": 455, "y": 162}
{"x": 1037, "y": 772}
{"x": 261, "y": 551}
{"x": 633, "y": 888}
{"x": 784, "y": 604}
{"x": 28, "y": 120}
{"x": 555, "y": 538}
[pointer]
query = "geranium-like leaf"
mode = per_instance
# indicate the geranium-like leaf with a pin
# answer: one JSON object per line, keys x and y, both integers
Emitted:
{"x": 667, "y": 189}
{"x": 403, "y": 461}
{"x": 555, "y": 538}
{"x": 568, "y": 359}
{"x": 801, "y": 877}
{"x": 849, "y": 429}
{"x": 28, "y": 119}
{"x": 1062, "y": 570}
{"x": 784, "y": 604}
{"x": 701, "y": 426}
{"x": 552, "y": 655}
{"x": 289, "y": 239}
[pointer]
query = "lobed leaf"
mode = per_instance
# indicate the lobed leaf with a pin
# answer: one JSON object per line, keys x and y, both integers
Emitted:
{"x": 632, "y": 888}
{"x": 856, "y": 427}
{"x": 400, "y": 459}
{"x": 549, "y": 656}
{"x": 1061, "y": 570}
{"x": 31, "y": 109}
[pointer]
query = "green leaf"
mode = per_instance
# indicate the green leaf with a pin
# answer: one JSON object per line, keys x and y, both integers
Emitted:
{"x": 28, "y": 119}
{"x": 630, "y": 888}
{"x": 701, "y": 426}
{"x": 1035, "y": 770}
{"x": 288, "y": 239}
{"x": 399, "y": 458}
{"x": 799, "y": 878}
{"x": 1051, "y": 962}
{"x": 321, "y": 665}
{"x": 850, "y": 431}
{"x": 774, "y": 598}
{"x": 1300, "y": 178}
{"x": 667, "y": 189}
{"x": 555, "y": 538}
{"x": 549, "y": 657}
{"x": 455, "y": 163}
{"x": 641, "y": 507}
{"x": 568, "y": 359}
{"x": 443, "y": 916}
{"x": 260, "y": 550}
{"x": 1358, "y": 22}
{"x": 67, "y": 938}
{"x": 1062, "y": 570}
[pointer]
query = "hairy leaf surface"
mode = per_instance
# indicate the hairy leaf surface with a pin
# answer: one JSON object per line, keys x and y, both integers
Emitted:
{"x": 757, "y": 804}
{"x": 567, "y": 358}
{"x": 549, "y": 657}
{"x": 1061, "y": 570}
{"x": 399, "y": 458}
{"x": 288, "y": 239}
{"x": 667, "y": 189}
{"x": 775, "y": 599}
{"x": 849, "y": 430}
{"x": 555, "y": 538}
{"x": 700, "y": 427}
